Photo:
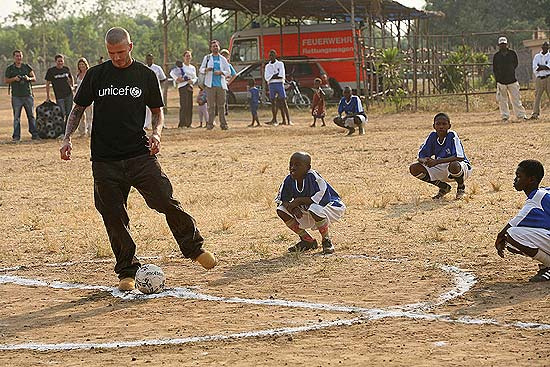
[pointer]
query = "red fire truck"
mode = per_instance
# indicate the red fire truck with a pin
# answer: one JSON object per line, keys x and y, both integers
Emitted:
{"x": 331, "y": 45}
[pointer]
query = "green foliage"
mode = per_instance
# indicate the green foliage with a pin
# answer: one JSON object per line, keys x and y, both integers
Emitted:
{"x": 470, "y": 16}
{"x": 390, "y": 66}
{"x": 453, "y": 74}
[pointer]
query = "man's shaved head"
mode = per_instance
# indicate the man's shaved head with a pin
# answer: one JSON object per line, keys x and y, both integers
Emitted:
{"x": 302, "y": 156}
{"x": 117, "y": 35}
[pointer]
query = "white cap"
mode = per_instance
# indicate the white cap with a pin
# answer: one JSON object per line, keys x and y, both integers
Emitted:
{"x": 502, "y": 40}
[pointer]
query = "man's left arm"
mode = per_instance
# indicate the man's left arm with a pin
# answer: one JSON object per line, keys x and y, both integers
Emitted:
{"x": 157, "y": 123}
{"x": 515, "y": 60}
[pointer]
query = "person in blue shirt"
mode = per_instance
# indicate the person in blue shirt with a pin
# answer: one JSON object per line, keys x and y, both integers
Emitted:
{"x": 254, "y": 102}
{"x": 528, "y": 233}
{"x": 354, "y": 116}
{"x": 441, "y": 159}
{"x": 305, "y": 200}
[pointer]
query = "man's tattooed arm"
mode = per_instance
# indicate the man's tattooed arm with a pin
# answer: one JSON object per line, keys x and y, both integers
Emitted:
{"x": 157, "y": 121}
{"x": 73, "y": 120}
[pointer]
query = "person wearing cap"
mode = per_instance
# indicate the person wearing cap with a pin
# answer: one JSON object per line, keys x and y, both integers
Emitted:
{"x": 541, "y": 69}
{"x": 505, "y": 62}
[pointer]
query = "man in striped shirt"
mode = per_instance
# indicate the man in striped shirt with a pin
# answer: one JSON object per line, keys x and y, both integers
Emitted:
{"x": 528, "y": 233}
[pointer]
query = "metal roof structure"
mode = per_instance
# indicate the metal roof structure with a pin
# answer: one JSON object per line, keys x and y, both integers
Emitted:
{"x": 321, "y": 9}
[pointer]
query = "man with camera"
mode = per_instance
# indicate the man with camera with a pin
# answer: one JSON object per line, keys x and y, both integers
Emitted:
{"x": 19, "y": 77}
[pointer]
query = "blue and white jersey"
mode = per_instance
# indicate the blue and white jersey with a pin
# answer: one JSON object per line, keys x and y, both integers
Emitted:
{"x": 536, "y": 211}
{"x": 353, "y": 106}
{"x": 450, "y": 147}
{"x": 314, "y": 187}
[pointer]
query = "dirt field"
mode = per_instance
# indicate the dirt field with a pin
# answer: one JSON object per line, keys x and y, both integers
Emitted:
{"x": 428, "y": 288}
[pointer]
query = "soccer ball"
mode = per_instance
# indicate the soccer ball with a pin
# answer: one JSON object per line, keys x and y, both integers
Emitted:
{"x": 150, "y": 279}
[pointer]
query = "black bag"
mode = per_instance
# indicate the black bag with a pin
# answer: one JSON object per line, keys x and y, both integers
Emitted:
{"x": 50, "y": 121}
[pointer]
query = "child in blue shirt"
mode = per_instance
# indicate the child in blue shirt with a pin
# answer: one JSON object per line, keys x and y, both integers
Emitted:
{"x": 449, "y": 163}
{"x": 351, "y": 107}
{"x": 254, "y": 102}
{"x": 528, "y": 233}
{"x": 305, "y": 200}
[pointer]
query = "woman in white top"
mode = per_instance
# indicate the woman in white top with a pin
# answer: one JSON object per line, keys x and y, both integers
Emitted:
{"x": 85, "y": 126}
{"x": 185, "y": 77}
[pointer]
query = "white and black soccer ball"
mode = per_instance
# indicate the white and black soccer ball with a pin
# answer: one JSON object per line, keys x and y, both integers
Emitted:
{"x": 150, "y": 279}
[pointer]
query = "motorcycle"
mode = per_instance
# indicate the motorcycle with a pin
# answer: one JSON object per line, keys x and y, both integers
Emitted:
{"x": 294, "y": 95}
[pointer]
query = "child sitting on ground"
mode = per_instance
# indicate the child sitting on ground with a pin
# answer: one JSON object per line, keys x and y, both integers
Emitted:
{"x": 450, "y": 162}
{"x": 318, "y": 103}
{"x": 253, "y": 101}
{"x": 203, "y": 107}
{"x": 354, "y": 114}
{"x": 305, "y": 200}
{"x": 528, "y": 233}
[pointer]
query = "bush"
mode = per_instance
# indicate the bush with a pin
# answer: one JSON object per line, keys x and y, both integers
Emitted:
{"x": 452, "y": 74}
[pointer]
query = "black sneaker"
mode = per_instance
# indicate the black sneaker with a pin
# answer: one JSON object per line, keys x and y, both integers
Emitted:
{"x": 328, "y": 247}
{"x": 543, "y": 275}
{"x": 442, "y": 192}
{"x": 303, "y": 245}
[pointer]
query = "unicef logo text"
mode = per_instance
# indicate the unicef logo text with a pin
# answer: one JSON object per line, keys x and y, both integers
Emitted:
{"x": 120, "y": 91}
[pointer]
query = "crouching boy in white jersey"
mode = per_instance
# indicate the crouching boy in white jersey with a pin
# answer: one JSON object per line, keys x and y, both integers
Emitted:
{"x": 450, "y": 162}
{"x": 305, "y": 200}
{"x": 528, "y": 233}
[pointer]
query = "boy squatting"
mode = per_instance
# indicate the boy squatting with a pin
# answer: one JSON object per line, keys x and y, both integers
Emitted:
{"x": 450, "y": 162}
{"x": 528, "y": 233}
{"x": 305, "y": 200}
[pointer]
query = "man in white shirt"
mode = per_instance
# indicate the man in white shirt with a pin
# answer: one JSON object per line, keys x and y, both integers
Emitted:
{"x": 161, "y": 78}
{"x": 274, "y": 75}
{"x": 216, "y": 70}
{"x": 541, "y": 69}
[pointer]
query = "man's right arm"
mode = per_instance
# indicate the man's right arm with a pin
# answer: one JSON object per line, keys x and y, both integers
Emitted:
{"x": 72, "y": 124}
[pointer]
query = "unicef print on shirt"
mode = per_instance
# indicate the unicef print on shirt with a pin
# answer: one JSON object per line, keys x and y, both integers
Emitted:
{"x": 119, "y": 97}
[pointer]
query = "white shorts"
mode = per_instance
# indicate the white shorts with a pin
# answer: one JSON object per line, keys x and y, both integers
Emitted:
{"x": 350, "y": 121}
{"x": 538, "y": 238}
{"x": 330, "y": 212}
{"x": 441, "y": 172}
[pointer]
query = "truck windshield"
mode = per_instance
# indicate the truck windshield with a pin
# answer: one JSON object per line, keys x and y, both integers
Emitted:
{"x": 244, "y": 50}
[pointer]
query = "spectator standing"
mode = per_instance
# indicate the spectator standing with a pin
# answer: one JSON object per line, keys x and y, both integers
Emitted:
{"x": 19, "y": 77}
{"x": 216, "y": 69}
{"x": 161, "y": 77}
{"x": 185, "y": 76}
{"x": 274, "y": 75}
{"x": 541, "y": 69}
{"x": 233, "y": 76}
{"x": 505, "y": 62}
{"x": 85, "y": 126}
{"x": 60, "y": 77}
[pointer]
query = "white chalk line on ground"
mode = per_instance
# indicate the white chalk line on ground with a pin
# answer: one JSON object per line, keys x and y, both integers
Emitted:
{"x": 463, "y": 281}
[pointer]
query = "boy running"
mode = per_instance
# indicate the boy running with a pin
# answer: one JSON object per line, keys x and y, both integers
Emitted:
{"x": 305, "y": 200}
{"x": 449, "y": 162}
{"x": 528, "y": 233}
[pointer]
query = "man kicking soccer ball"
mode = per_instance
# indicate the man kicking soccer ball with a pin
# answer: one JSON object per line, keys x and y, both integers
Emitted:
{"x": 123, "y": 156}
{"x": 528, "y": 233}
{"x": 449, "y": 162}
{"x": 305, "y": 201}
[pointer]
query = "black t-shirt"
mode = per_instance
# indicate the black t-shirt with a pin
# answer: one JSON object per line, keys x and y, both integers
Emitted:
{"x": 60, "y": 81}
{"x": 119, "y": 97}
{"x": 504, "y": 66}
